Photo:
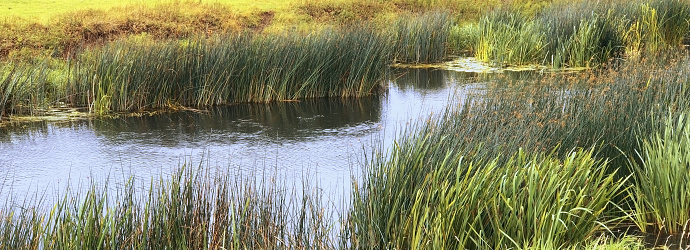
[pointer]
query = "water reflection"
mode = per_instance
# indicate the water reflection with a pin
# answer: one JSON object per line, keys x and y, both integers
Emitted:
{"x": 303, "y": 120}
{"x": 327, "y": 136}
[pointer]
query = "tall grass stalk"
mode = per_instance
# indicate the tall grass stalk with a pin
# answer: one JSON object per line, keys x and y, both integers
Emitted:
{"x": 235, "y": 68}
{"x": 407, "y": 200}
{"x": 582, "y": 33}
{"x": 190, "y": 209}
{"x": 424, "y": 196}
{"x": 423, "y": 38}
{"x": 663, "y": 179}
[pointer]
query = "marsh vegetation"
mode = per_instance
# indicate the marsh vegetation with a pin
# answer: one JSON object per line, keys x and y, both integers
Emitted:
{"x": 585, "y": 159}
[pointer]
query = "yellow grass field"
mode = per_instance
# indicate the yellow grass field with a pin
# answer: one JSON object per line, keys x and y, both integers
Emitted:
{"x": 45, "y": 10}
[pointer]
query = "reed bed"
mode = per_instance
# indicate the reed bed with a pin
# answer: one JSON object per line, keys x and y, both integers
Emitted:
{"x": 662, "y": 193}
{"x": 455, "y": 179}
{"x": 422, "y": 38}
{"x": 236, "y": 68}
{"x": 582, "y": 34}
{"x": 426, "y": 196}
{"x": 189, "y": 210}
{"x": 28, "y": 89}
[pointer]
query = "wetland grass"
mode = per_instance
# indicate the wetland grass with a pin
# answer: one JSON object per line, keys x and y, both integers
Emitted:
{"x": 423, "y": 196}
{"x": 422, "y": 38}
{"x": 456, "y": 180}
{"x": 188, "y": 210}
{"x": 662, "y": 193}
{"x": 582, "y": 34}
{"x": 230, "y": 69}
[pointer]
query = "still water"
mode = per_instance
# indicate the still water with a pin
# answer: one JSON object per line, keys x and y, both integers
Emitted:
{"x": 325, "y": 140}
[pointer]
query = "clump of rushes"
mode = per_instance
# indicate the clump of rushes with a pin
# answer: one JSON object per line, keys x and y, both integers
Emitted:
{"x": 582, "y": 34}
{"x": 427, "y": 196}
{"x": 24, "y": 89}
{"x": 662, "y": 190}
{"x": 235, "y": 68}
{"x": 508, "y": 37}
{"x": 190, "y": 210}
{"x": 422, "y": 38}
{"x": 406, "y": 200}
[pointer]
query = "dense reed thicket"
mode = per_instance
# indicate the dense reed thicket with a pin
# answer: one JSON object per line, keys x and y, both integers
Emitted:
{"x": 662, "y": 193}
{"x": 235, "y": 68}
{"x": 528, "y": 201}
{"x": 29, "y": 89}
{"x": 456, "y": 179}
{"x": 423, "y": 38}
{"x": 581, "y": 34}
{"x": 190, "y": 210}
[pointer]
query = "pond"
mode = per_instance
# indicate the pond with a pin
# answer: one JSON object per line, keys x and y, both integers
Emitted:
{"x": 325, "y": 139}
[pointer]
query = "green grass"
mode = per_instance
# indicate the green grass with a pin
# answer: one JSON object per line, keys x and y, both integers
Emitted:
{"x": 422, "y": 39}
{"x": 580, "y": 34}
{"x": 129, "y": 76}
{"x": 455, "y": 179}
{"x": 190, "y": 209}
{"x": 662, "y": 195}
{"x": 425, "y": 196}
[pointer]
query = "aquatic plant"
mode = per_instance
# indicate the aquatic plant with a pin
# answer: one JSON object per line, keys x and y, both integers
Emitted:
{"x": 581, "y": 33}
{"x": 230, "y": 69}
{"x": 189, "y": 209}
{"x": 607, "y": 110}
{"x": 507, "y": 37}
{"x": 423, "y": 38}
{"x": 662, "y": 190}
{"x": 424, "y": 195}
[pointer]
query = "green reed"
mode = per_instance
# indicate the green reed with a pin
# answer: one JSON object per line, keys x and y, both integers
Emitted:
{"x": 428, "y": 196}
{"x": 235, "y": 68}
{"x": 187, "y": 210}
{"x": 507, "y": 37}
{"x": 582, "y": 34}
{"x": 662, "y": 193}
{"x": 23, "y": 89}
{"x": 422, "y": 38}
{"x": 407, "y": 198}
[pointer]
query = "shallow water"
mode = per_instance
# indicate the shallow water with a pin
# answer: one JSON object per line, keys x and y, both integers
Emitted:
{"x": 325, "y": 140}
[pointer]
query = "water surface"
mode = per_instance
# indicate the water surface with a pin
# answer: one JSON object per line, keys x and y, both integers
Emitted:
{"x": 323, "y": 139}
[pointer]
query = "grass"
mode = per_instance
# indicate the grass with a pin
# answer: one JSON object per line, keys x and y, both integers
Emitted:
{"x": 191, "y": 209}
{"x": 434, "y": 182}
{"x": 663, "y": 194}
{"x": 230, "y": 69}
{"x": 422, "y": 39}
{"x": 423, "y": 196}
{"x": 30, "y": 30}
{"x": 580, "y": 34}
{"x": 528, "y": 165}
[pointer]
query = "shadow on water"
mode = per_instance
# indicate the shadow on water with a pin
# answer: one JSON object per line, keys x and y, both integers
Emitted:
{"x": 325, "y": 136}
{"x": 289, "y": 121}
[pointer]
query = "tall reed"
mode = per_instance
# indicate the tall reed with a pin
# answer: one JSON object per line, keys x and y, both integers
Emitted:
{"x": 582, "y": 33}
{"x": 27, "y": 89}
{"x": 235, "y": 68}
{"x": 427, "y": 196}
{"x": 407, "y": 200}
{"x": 189, "y": 209}
{"x": 662, "y": 193}
{"x": 423, "y": 38}
{"x": 507, "y": 37}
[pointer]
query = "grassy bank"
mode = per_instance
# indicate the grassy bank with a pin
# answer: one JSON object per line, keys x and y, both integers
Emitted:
{"x": 48, "y": 28}
{"x": 142, "y": 73}
{"x": 230, "y": 69}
